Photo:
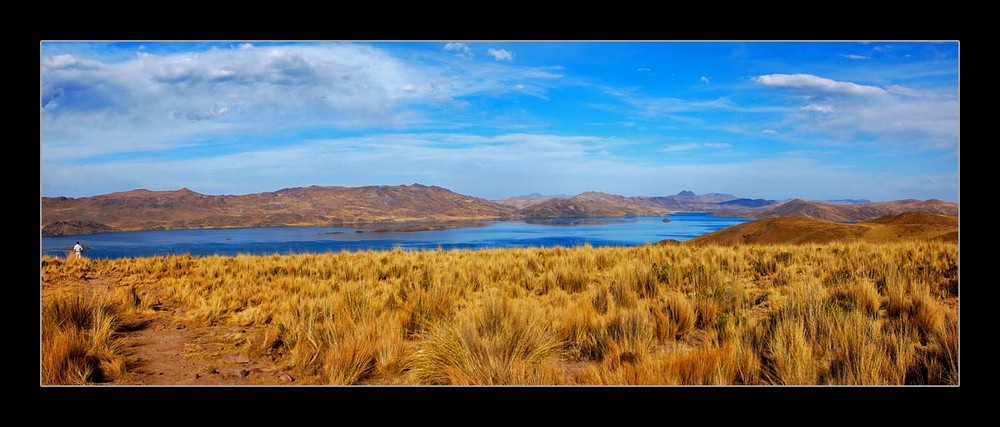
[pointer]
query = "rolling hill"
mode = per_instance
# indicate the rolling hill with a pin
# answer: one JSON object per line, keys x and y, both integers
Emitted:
{"x": 592, "y": 204}
{"x": 689, "y": 201}
{"x": 796, "y": 230}
{"x": 746, "y": 203}
{"x": 521, "y": 202}
{"x": 846, "y": 212}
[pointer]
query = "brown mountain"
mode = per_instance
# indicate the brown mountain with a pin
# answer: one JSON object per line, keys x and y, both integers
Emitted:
{"x": 689, "y": 201}
{"x": 63, "y": 228}
{"x": 592, "y": 204}
{"x": 521, "y": 202}
{"x": 847, "y": 212}
{"x": 309, "y": 206}
{"x": 685, "y": 201}
{"x": 595, "y": 204}
{"x": 796, "y": 230}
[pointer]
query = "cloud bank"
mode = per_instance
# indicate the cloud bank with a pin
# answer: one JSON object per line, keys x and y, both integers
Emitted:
{"x": 163, "y": 101}
{"x": 850, "y": 112}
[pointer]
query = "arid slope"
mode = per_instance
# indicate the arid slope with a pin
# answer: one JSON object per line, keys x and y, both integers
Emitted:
{"x": 847, "y": 212}
{"x": 592, "y": 204}
{"x": 309, "y": 206}
{"x": 796, "y": 230}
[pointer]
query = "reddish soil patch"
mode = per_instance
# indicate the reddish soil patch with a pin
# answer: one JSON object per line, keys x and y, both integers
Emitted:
{"x": 168, "y": 351}
{"x": 162, "y": 349}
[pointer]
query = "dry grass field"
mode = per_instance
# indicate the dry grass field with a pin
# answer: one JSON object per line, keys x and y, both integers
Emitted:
{"x": 828, "y": 314}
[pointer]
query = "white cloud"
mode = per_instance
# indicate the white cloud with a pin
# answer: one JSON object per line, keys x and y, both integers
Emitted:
{"x": 688, "y": 146}
{"x": 769, "y": 132}
{"x": 893, "y": 115}
{"x": 705, "y": 79}
{"x": 644, "y": 69}
{"x": 855, "y": 56}
{"x": 916, "y": 122}
{"x": 820, "y": 85}
{"x": 818, "y": 108}
{"x": 461, "y": 49}
{"x": 901, "y": 90}
{"x": 501, "y": 54}
{"x": 717, "y": 145}
{"x": 65, "y": 61}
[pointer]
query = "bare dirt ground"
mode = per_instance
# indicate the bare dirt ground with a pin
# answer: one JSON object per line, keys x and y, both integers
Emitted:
{"x": 168, "y": 352}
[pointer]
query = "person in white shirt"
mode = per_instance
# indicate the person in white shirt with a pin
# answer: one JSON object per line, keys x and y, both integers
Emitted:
{"x": 79, "y": 249}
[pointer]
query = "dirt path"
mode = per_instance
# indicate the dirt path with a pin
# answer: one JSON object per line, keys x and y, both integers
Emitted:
{"x": 162, "y": 349}
{"x": 167, "y": 351}
{"x": 166, "y": 355}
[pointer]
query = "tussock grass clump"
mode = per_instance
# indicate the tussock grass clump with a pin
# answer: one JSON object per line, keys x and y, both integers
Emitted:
{"x": 570, "y": 277}
{"x": 80, "y": 343}
{"x": 790, "y": 354}
{"x": 630, "y": 335}
{"x": 860, "y": 295}
{"x": 581, "y": 330}
{"x": 497, "y": 342}
{"x": 675, "y": 317}
{"x": 864, "y": 356}
{"x": 708, "y": 313}
{"x": 352, "y": 357}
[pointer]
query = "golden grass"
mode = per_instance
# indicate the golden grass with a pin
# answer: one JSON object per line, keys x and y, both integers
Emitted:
{"x": 837, "y": 313}
{"x": 79, "y": 341}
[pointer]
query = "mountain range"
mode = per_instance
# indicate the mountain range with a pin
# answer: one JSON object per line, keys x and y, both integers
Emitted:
{"x": 357, "y": 206}
{"x": 685, "y": 201}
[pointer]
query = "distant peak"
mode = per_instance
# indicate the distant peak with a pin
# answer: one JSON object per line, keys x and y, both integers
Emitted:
{"x": 686, "y": 193}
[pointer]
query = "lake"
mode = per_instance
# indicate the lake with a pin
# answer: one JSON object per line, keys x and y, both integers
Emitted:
{"x": 492, "y": 234}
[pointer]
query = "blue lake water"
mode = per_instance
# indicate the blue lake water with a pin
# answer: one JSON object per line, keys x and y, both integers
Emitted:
{"x": 495, "y": 234}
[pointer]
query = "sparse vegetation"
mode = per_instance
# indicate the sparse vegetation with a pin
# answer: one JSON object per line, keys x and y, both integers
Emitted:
{"x": 835, "y": 313}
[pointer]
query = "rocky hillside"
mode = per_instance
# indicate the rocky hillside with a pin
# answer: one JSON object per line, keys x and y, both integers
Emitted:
{"x": 309, "y": 206}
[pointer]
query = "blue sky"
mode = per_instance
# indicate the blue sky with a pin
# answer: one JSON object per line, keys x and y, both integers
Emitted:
{"x": 816, "y": 120}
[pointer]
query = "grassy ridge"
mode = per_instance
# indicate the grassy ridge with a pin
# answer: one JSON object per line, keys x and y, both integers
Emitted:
{"x": 858, "y": 313}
